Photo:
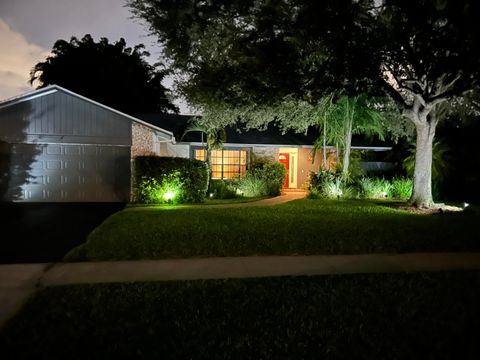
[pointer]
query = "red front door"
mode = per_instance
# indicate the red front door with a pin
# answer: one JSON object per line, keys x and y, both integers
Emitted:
{"x": 284, "y": 159}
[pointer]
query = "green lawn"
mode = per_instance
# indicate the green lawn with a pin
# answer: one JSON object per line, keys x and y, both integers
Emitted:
{"x": 300, "y": 227}
{"x": 381, "y": 316}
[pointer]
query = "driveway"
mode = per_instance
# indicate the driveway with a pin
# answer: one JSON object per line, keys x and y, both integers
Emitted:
{"x": 45, "y": 232}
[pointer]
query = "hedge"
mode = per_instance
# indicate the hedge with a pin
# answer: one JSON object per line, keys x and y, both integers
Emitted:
{"x": 155, "y": 175}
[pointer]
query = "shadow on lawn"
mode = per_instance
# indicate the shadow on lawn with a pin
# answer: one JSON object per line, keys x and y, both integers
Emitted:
{"x": 45, "y": 232}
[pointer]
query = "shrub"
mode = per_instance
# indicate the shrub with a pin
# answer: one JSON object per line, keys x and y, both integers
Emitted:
{"x": 252, "y": 185}
{"x": 402, "y": 188}
{"x": 220, "y": 189}
{"x": 317, "y": 179}
{"x": 155, "y": 176}
{"x": 332, "y": 189}
{"x": 374, "y": 188}
{"x": 271, "y": 173}
{"x": 168, "y": 189}
{"x": 329, "y": 185}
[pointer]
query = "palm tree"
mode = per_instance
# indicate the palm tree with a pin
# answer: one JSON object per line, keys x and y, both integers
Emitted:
{"x": 215, "y": 138}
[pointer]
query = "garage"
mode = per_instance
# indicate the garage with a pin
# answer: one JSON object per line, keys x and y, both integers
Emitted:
{"x": 58, "y": 146}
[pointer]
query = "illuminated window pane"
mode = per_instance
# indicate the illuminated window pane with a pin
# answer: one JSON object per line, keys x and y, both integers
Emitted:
{"x": 200, "y": 154}
{"x": 226, "y": 164}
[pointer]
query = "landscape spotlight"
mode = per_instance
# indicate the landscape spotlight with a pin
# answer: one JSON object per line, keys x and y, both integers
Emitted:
{"x": 169, "y": 195}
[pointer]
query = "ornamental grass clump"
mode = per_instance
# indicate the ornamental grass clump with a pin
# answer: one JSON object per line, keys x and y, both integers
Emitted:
{"x": 401, "y": 188}
{"x": 329, "y": 185}
{"x": 374, "y": 188}
{"x": 251, "y": 185}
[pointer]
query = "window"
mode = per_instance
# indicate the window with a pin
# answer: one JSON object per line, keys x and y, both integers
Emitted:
{"x": 226, "y": 164}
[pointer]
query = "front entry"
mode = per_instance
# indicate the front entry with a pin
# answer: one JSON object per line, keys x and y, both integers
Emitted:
{"x": 285, "y": 160}
{"x": 288, "y": 157}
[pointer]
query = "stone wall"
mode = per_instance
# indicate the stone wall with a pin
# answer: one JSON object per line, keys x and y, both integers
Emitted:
{"x": 142, "y": 140}
{"x": 269, "y": 152}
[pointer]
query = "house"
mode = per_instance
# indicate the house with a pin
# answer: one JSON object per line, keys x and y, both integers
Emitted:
{"x": 241, "y": 147}
{"x": 59, "y": 146}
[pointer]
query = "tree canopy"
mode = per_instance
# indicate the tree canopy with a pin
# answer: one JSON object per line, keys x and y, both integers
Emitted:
{"x": 420, "y": 53}
{"x": 244, "y": 50}
{"x": 110, "y": 73}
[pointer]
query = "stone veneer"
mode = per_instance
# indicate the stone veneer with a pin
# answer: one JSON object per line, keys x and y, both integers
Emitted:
{"x": 142, "y": 141}
{"x": 268, "y": 152}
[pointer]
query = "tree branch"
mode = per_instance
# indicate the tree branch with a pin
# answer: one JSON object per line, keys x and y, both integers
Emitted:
{"x": 395, "y": 95}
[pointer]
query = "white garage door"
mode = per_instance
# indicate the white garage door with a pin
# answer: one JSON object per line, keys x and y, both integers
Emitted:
{"x": 70, "y": 173}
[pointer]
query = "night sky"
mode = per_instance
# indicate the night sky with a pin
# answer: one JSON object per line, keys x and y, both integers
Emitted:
{"x": 29, "y": 28}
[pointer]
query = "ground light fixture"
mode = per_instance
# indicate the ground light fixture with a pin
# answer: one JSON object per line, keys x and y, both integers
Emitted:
{"x": 169, "y": 195}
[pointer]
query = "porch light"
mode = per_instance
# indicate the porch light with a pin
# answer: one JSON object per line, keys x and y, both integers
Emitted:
{"x": 465, "y": 205}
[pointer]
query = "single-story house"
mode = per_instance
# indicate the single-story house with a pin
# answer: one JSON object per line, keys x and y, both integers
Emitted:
{"x": 59, "y": 146}
{"x": 241, "y": 147}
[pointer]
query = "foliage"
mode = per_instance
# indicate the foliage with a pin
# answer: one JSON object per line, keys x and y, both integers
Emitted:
{"x": 264, "y": 178}
{"x": 374, "y": 188}
{"x": 272, "y": 173}
{"x": 215, "y": 136}
{"x": 421, "y": 54}
{"x": 154, "y": 175}
{"x": 316, "y": 179}
{"x": 223, "y": 49}
{"x": 327, "y": 227}
{"x": 221, "y": 189}
{"x": 167, "y": 189}
{"x": 401, "y": 188}
{"x": 329, "y": 185}
{"x": 355, "y": 171}
{"x": 251, "y": 185}
{"x": 110, "y": 73}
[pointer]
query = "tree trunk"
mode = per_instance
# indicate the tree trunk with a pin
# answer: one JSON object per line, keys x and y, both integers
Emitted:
{"x": 422, "y": 177}
{"x": 324, "y": 144}
{"x": 347, "y": 149}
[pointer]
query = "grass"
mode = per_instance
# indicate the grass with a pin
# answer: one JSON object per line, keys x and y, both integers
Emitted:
{"x": 300, "y": 227}
{"x": 375, "y": 316}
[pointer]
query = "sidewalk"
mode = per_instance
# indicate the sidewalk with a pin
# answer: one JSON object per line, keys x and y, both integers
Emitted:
{"x": 20, "y": 281}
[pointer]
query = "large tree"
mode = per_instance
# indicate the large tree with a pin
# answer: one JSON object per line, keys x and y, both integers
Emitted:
{"x": 429, "y": 55}
{"x": 420, "y": 53}
{"x": 110, "y": 73}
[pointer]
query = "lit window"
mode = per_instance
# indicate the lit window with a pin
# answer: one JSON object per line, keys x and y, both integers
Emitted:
{"x": 226, "y": 164}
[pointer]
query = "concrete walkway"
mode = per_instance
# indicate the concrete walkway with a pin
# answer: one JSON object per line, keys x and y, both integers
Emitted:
{"x": 20, "y": 281}
{"x": 282, "y": 199}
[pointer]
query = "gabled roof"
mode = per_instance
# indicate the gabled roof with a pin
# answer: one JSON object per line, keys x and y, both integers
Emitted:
{"x": 235, "y": 134}
{"x": 55, "y": 88}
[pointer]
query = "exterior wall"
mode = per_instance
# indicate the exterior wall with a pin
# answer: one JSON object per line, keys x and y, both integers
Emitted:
{"x": 175, "y": 150}
{"x": 63, "y": 118}
{"x": 58, "y": 147}
{"x": 142, "y": 140}
{"x": 305, "y": 165}
{"x": 269, "y": 152}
